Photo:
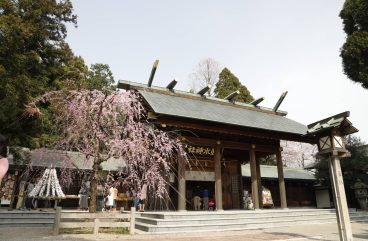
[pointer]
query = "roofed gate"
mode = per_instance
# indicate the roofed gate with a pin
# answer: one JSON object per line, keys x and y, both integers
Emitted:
{"x": 220, "y": 136}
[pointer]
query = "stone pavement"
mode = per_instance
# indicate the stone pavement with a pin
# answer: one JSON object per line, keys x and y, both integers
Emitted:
{"x": 296, "y": 233}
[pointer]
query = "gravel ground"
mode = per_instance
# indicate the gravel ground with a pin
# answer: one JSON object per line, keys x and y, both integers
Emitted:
{"x": 296, "y": 233}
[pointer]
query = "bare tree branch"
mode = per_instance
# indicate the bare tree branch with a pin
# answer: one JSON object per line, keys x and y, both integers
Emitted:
{"x": 205, "y": 73}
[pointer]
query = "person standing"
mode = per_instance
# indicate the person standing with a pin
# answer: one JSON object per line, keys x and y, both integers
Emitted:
{"x": 4, "y": 163}
{"x": 83, "y": 195}
{"x": 143, "y": 197}
{"x": 100, "y": 197}
{"x": 135, "y": 199}
{"x": 205, "y": 199}
{"x": 30, "y": 187}
{"x": 110, "y": 199}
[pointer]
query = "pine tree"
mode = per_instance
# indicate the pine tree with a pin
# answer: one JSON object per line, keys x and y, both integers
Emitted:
{"x": 229, "y": 83}
{"x": 354, "y": 52}
{"x": 34, "y": 58}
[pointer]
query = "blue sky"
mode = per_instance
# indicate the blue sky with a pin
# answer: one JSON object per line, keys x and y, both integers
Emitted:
{"x": 271, "y": 46}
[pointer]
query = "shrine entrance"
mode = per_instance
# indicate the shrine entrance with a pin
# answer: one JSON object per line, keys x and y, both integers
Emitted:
{"x": 231, "y": 177}
{"x": 219, "y": 136}
{"x": 231, "y": 185}
{"x": 196, "y": 188}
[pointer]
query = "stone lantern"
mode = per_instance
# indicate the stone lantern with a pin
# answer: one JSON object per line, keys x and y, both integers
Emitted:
{"x": 329, "y": 133}
{"x": 360, "y": 191}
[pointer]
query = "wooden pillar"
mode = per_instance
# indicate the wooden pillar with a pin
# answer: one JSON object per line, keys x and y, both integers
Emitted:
{"x": 253, "y": 177}
{"x": 57, "y": 221}
{"x": 259, "y": 182}
{"x": 342, "y": 212}
{"x": 181, "y": 185}
{"x": 132, "y": 220}
{"x": 218, "y": 181}
{"x": 280, "y": 172}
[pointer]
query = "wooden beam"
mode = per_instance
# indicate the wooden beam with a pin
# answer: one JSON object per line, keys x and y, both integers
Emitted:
{"x": 204, "y": 90}
{"x": 181, "y": 185}
{"x": 281, "y": 99}
{"x": 280, "y": 172}
{"x": 257, "y": 101}
{"x": 233, "y": 144}
{"x": 259, "y": 182}
{"x": 254, "y": 180}
{"x": 153, "y": 71}
{"x": 231, "y": 96}
{"x": 232, "y": 130}
{"x": 218, "y": 181}
{"x": 171, "y": 85}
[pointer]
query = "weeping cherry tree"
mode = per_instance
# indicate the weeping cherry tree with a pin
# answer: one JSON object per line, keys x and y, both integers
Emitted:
{"x": 103, "y": 125}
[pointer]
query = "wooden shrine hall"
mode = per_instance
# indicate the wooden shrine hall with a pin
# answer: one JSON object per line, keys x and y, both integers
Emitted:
{"x": 220, "y": 136}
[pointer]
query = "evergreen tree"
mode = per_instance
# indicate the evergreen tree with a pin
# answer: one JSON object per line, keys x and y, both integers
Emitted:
{"x": 353, "y": 167}
{"x": 100, "y": 77}
{"x": 229, "y": 83}
{"x": 34, "y": 58}
{"x": 354, "y": 52}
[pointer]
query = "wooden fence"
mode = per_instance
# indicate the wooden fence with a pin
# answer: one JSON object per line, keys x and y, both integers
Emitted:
{"x": 94, "y": 220}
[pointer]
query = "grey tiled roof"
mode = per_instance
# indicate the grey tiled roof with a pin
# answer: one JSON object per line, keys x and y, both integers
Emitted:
{"x": 202, "y": 109}
{"x": 271, "y": 172}
{"x": 339, "y": 120}
{"x": 48, "y": 158}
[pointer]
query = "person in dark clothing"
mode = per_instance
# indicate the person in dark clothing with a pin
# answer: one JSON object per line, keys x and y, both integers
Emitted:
{"x": 205, "y": 199}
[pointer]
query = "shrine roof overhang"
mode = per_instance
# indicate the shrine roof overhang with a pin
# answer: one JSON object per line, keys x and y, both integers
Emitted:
{"x": 270, "y": 172}
{"x": 175, "y": 104}
{"x": 338, "y": 121}
{"x": 200, "y": 109}
{"x": 63, "y": 159}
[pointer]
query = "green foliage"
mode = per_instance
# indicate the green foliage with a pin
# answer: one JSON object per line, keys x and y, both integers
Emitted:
{"x": 74, "y": 76}
{"x": 269, "y": 160}
{"x": 33, "y": 58}
{"x": 229, "y": 83}
{"x": 100, "y": 77}
{"x": 354, "y": 52}
{"x": 353, "y": 168}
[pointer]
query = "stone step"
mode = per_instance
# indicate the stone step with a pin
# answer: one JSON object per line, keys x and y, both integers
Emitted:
{"x": 234, "y": 214}
{"x": 172, "y": 222}
{"x": 226, "y": 219}
{"x": 28, "y": 225}
{"x": 359, "y": 219}
{"x": 22, "y": 216}
{"x": 19, "y": 218}
{"x": 26, "y": 220}
{"x": 228, "y": 226}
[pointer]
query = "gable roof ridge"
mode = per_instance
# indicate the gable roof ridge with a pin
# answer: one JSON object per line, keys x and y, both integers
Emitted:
{"x": 184, "y": 94}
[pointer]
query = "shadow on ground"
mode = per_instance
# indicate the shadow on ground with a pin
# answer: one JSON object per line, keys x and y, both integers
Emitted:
{"x": 296, "y": 235}
{"x": 363, "y": 236}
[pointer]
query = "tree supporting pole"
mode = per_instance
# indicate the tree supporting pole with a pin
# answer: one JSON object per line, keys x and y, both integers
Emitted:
{"x": 181, "y": 184}
{"x": 342, "y": 212}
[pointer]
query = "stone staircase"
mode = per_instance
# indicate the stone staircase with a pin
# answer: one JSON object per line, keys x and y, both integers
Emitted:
{"x": 195, "y": 221}
{"x": 358, "y": 216}
{"x": 32, "y": 218}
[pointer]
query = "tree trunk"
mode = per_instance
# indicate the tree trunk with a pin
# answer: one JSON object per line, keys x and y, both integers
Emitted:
{"x": 93, "y": 192}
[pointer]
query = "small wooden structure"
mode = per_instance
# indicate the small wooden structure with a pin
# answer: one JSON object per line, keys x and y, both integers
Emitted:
{"x": 74, "y": 219}
{"x": 330, "y": 133}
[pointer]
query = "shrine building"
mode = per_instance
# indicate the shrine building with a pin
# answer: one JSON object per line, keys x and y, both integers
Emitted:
{"x": 221, "y": 136}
